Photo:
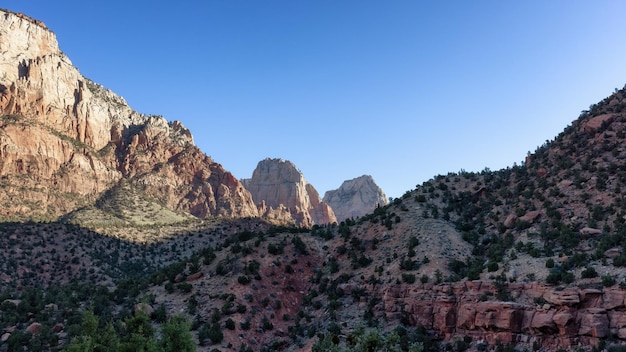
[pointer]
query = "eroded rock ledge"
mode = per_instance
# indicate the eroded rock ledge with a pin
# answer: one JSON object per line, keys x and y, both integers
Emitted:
{"x": 536, "y": 314}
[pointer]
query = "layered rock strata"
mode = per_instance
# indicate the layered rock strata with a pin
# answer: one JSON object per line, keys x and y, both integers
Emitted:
{"x": 535, "y": 315}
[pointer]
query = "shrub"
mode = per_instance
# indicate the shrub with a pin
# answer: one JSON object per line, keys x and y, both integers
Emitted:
{"x": 334, "y": 328}
{"x": 576, "y": 260}
{"x": 365, "y": 261}
{"x": 554, "y": 277}
{"x": 620, "y": 260}
{"x": 159, "y": 314}
{"x": 317, "y": 304}
{"x": 221, "y": 268}
{"x": 169, "y": 287}
{"x": 228, "y": 308}
{"x": 192, "y": 304}
{"x": 241, "y": 308}
{"x": 277, "y": 304}
{"x": 334, "y": 265}
{"x": 185, "y": 287}
{"x": 608, "y": 280}
{"x": 266, "y": 324}
{"x": 408, "y": 278}
{"x": 438, "y": 276}
{"x": 203, "y": 334}
{"x": 408, "y": 264}
{"x": 616, "y": 348}
{"x": 253, "y": 267}
{"x": 411, "y": 253}
{"x": 568, "y": 277}
{"x": 215, "y": 333}
{"x": 243, "y": 279}
{"x": 289, "y": 269}
{"x": 460, "y": 345}
{"x": 588, "y": 273}
{"x": 299, "y": 245}
{"x": 458, "y": 267}
{"x": 275, "y": 249}
{"x": 175, "y": 336}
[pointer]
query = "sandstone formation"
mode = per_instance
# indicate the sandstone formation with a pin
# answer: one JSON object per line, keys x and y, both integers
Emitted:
{"x": 278, "y": 184}
{"x": 355, "y": 198}
{"x": 64, "y": 139}
{"x": 541, "y": 315}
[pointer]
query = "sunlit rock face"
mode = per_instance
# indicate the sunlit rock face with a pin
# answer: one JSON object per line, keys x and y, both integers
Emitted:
{"x": 355, "y": 198}
{"x": 277, "y": 183}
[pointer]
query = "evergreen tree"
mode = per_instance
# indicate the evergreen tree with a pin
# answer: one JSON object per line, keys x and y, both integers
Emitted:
{"x": 176, "y": 336}
{"x": 139, "y": 334}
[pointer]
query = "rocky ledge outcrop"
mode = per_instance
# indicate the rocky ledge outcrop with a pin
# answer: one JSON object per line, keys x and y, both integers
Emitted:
{"x": 64, "y": 139}
{"x": 278, "y": 184}
{"x": 534, "y": 315}
{"x": 355, "y": 198}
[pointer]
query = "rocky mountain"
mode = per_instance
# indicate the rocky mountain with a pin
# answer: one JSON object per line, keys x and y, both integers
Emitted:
{"x": 65, "y": 140}
{"x": 277, "y": 185}
{"x": 530, "y": 257}
{"x": 355, "y": 198}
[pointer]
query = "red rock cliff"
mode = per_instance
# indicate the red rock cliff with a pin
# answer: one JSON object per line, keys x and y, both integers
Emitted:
{"x": 64, "y": 140}
{"x": 536, "y": 314}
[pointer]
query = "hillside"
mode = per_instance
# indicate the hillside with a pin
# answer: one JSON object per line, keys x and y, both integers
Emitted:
{"x": 564, "y": 200}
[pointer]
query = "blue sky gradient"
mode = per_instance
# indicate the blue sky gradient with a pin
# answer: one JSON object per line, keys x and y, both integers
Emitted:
{"x": 400, "y": 90}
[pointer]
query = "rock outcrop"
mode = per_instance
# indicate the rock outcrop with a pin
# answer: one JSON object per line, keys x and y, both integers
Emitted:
{"x": 278, "y": 184}
{"x": 64, "y": 139}
{"x": 541, "y": 315}
{"x": 355, "y": 198}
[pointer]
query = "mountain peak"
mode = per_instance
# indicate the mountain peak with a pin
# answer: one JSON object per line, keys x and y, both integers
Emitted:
{"x": 356, "y": 197}
{"x": 278, "y": 183}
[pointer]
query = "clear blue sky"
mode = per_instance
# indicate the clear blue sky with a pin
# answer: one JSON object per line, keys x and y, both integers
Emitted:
{"x": 400, "y": 90}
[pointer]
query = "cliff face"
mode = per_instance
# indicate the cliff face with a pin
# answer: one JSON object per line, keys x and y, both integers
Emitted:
{"x": 278, "y": 184}
{"x": 356, "y": 198}
{"x": 39, "y": 82}
{"x": 64, "y": 139}
{"x": 541, "y": 315}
